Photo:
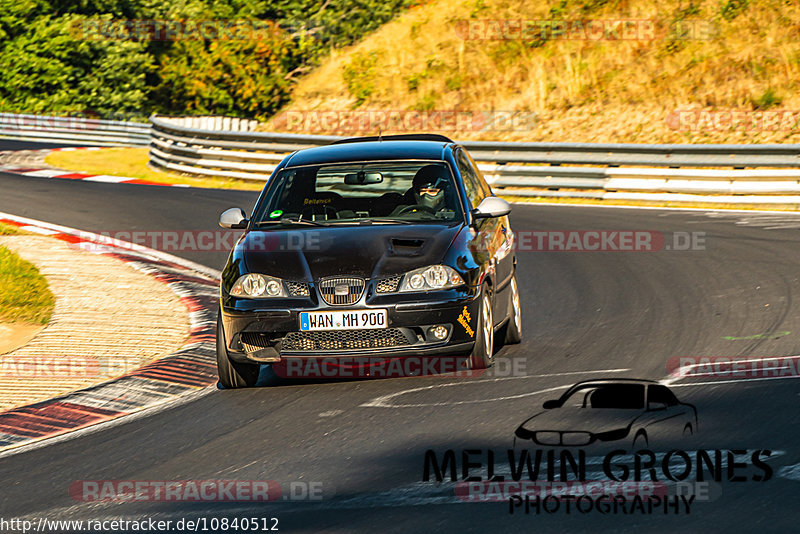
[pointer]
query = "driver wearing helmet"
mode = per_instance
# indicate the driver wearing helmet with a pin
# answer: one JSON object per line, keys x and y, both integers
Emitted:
{"x": 427, "y": 190}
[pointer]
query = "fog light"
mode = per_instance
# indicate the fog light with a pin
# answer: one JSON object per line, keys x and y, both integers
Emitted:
{"x": 438, "y": 331}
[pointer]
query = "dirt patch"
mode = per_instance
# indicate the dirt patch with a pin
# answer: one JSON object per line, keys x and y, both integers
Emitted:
{"x": 109, "y": 319}
{"x": 15, "y": 335}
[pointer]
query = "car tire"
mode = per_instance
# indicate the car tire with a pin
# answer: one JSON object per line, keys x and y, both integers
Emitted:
{"x": 482, "y": 352}
{"x": 233, "y": 375}
{"x": 514, "y": 324}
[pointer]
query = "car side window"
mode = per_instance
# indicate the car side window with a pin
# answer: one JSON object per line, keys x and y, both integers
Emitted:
{"x": 472, "y": 184}
{"x": 487, "y": 191}
{"x": 661, "y": 394}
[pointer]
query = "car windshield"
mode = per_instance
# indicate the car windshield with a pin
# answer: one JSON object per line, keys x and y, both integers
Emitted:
{"x": 613, "y": 396}
{"x": 363, "y": 193}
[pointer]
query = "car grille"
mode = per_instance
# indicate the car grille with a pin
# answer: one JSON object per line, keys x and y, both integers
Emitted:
{"x": 339, "y": 291}
{"x": 548, "y": 438}
{"x": 388, "y": 285}
{"x": 576, "y": 438}
{"x": 563, "y": 438}
{"x": 345, "y": 339}
{"x": 298, "y": 289}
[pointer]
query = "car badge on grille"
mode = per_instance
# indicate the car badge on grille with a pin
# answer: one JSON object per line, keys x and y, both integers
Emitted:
{"x": 341, "y": 289}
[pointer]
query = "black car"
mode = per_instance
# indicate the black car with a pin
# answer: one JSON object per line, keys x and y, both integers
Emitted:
{"x": 642, "y": 411}
{"x": 379, "y": 247}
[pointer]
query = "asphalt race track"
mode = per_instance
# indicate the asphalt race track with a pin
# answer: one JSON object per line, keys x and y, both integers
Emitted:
{"x": 586, "y": 315}
{"x": 11, "y": 144}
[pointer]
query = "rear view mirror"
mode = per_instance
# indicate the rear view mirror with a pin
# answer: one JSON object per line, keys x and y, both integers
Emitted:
{"x": 549, "y": 405}
{"x": 655, "y": 406}
{"x": 363, "y": 178}
{"x": 234, "y": 218}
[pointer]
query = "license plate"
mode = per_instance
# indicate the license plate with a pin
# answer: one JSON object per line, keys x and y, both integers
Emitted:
{"x": 343, "y": 320}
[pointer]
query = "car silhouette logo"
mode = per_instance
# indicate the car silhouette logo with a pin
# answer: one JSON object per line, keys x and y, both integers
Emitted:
{"x": 597, "y": 411}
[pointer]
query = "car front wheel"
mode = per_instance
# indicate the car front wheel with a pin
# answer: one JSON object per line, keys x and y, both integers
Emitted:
{"x": 481, "y": 357}
{"x": 233, "y": 374}
{"x": 514, "y": 325}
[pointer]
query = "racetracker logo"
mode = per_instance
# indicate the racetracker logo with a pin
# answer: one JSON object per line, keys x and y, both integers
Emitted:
{"x": 585, "y": 30}
{"x": 410, "y": 366}
{"x": 336, "y": 121}
{"x": 727, "y": 368}
{"x": 23, "y": 122}
{"x": 88, "y": 119}
{"x": 49, "y": 367}
{"x": 696, "y": 120}
{"x": 200, "y": 240}
{"x": 175, "y": 30}
{"x": 193, "y": 491}
{"x": 607, "y": 241}
{"x": 489, "y": 491}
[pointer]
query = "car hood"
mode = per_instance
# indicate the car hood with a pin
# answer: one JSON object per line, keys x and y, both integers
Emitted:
{"x": 575, "y": 419}
{"x": 311, "y": 253}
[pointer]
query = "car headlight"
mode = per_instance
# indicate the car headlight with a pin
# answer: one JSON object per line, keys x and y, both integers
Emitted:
{"x": 433, "y": 277}
{"x": 258, "y": 286}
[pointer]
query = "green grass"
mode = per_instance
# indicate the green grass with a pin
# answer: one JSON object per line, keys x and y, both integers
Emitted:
{"x": 7, "y": 229}
{"x": 711, "y": 55}
{"x": 24, "y": 294}
{"x": 132, "y": 162}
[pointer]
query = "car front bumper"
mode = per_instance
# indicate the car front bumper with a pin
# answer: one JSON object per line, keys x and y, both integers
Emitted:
{"x": 266, "y": 331}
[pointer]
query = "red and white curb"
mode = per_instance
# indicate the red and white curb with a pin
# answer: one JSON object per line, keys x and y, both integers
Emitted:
{"x": 188, "y": 370}
{"x": 70, "y": 175}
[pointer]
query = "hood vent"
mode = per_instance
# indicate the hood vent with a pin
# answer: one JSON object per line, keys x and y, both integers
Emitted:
{"x": 399, "y": 246}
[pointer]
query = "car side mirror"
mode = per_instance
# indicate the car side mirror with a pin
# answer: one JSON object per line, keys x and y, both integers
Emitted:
{"x": 234, "y": 218}
{"x": 549, "y": 405}
{"x": 656, "y": 406}
{"x": 491, "y": 207}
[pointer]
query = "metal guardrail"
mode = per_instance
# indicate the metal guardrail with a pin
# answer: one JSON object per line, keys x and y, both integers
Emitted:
{"x": 616, "y": 154}
{"x": 74, "y": 130}
{"x": 231, "y": 154}
{"x": 229, "y": 147}
{"x": 619, "y": 171}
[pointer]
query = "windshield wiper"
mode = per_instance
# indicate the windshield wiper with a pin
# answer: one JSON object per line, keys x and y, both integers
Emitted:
{"x": 383, "y": 220}
{"x": 289, "y": 222}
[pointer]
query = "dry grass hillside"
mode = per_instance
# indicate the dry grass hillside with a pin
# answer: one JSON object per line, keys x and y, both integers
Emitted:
{"x": 739, "y": 59}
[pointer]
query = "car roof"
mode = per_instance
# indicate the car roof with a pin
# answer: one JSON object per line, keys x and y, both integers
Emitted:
{"x": 613, "y": 382}
{"x": 369, "y": 151}
{"x": 401, "y": 137}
